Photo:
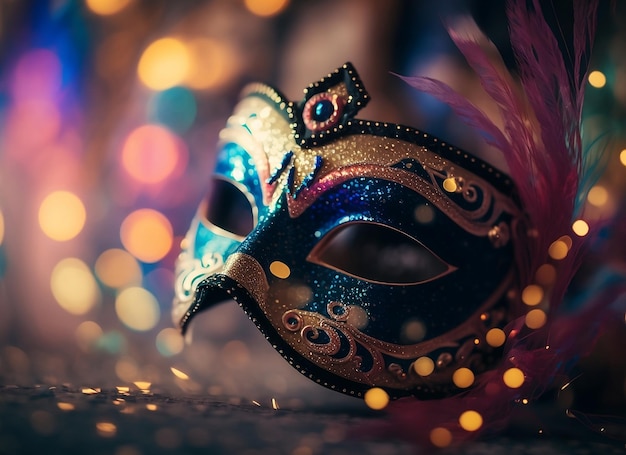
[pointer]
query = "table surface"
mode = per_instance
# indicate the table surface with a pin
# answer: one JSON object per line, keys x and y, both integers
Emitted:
{"x": 128, "y": 421}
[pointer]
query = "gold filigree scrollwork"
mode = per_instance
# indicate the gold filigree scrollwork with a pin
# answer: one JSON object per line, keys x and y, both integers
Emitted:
{"x": 190, "y": 272}
{"x": 333, "y": 342}
{"x": 469, "y": 192}
{"x": 342, "y": 316}
{"x": 313, "y": 337}
{"x": 467, "y": 187}
{"x": 292, "y": 321}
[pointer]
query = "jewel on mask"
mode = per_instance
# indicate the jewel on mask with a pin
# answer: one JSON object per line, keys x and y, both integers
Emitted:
{"x": 322, "y": 111}
{"x": 379, "y": 256}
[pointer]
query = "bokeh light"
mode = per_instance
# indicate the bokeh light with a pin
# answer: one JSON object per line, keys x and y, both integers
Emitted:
{"x": 567, "y": 240}
{"x": 106, "y": 429}
{"x": 598, "y": 196}
{"x": 513, "y": 378}
{"x": 622, "y": 157}
{"x": 112, "y": 342}
{"x": 440, "y": 437}
{"x": 107, "y": 7}
{"x": 536, "y": 319}
{"x": 164, "y": 64}
{"x": 376, "y": 398}
{"x": 463, "y": 378}
{"x": 424, "y": 214}
{"x": 213, "y": 64}
{"x": 357, "y": 317}
{"x": 137, "y": 308}
{"x": 580, "y": 228}
{"x": 532, "y": 295}
{"x": 424, "y": 366}
{"x": 87, "y": 335}
{"x": 280, "y": 269}
{"x": 266, "y": 8}
{"x": 471, "y": 420}
{"x": 449, "y": 185}
{"x": 495, "y": 337}
{"x": 597, "y": 79}
{"x": 545, "y": 274}
{"x": 175, "y": 108}
{"x": 413, "y": 330}
{"x": 63, "y": 406}
{"x": 74, "y": 287}
{"x": 117, "y": 268}
{"x": 179, "y": 374}
{"x": 147, "y": 235}
{"x": 37, "y": 76}
{"x": 62, "y": 215}
{"x": 151, "y": 153}
{"x": 169, "y": 342}
{"x": 558, "y": 250}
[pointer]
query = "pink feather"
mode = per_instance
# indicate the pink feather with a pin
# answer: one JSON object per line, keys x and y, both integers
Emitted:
{"x": 473, "y": 116}
{"x": 540, "y": 139}
{"x": 542, "y": 145}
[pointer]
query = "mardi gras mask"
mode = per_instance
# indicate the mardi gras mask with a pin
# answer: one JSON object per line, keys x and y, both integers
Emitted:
{"x": 367, "y": 253}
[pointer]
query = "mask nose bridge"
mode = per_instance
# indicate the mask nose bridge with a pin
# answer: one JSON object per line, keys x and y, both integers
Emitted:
{"x": 241, "y": 279}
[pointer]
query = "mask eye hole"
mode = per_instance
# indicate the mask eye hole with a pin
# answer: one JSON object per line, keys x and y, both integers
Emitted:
{"x": 378, "y": 254}
{"x": 229, "y": 208}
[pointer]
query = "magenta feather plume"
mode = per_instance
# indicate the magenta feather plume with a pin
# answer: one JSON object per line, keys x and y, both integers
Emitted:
{"x": 541, "y": 114}
{"x": 540, "y": 139}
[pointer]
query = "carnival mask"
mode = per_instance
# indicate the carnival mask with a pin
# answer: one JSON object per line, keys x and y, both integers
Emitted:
{"x": 367, "y": 253}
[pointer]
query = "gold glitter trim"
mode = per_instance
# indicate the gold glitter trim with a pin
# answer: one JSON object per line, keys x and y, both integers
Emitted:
{"x": 301, "y": 328}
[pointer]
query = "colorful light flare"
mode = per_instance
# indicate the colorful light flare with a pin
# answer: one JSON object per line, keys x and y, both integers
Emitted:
{"x": 376, "y": 398}
{"x": 137, "y": 308}
{"x": 597, "y": 79}
{"x": 598, "y": 196}
{"x": 62, "y": 215}
{"x": 175, "y": 108}
{"x": 37, "y": 76}
{"x": 107, "y": 7}
{"x": 164, "y": 64}
{"x": 74, "y": 287}
{"x": 117, "y": 268}
{"x": 87, "y": 334}
{"x": 471, "y": 420}
{"x": 266, "y": 8}
{"x": 169, "y": 342}
{"x": 147, "y": 235}
{"x": 212, "y": 64}
{"x": 151, "y": 154}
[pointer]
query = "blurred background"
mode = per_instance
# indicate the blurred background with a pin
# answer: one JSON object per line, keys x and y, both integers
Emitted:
{"x": 109, "y": 116}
